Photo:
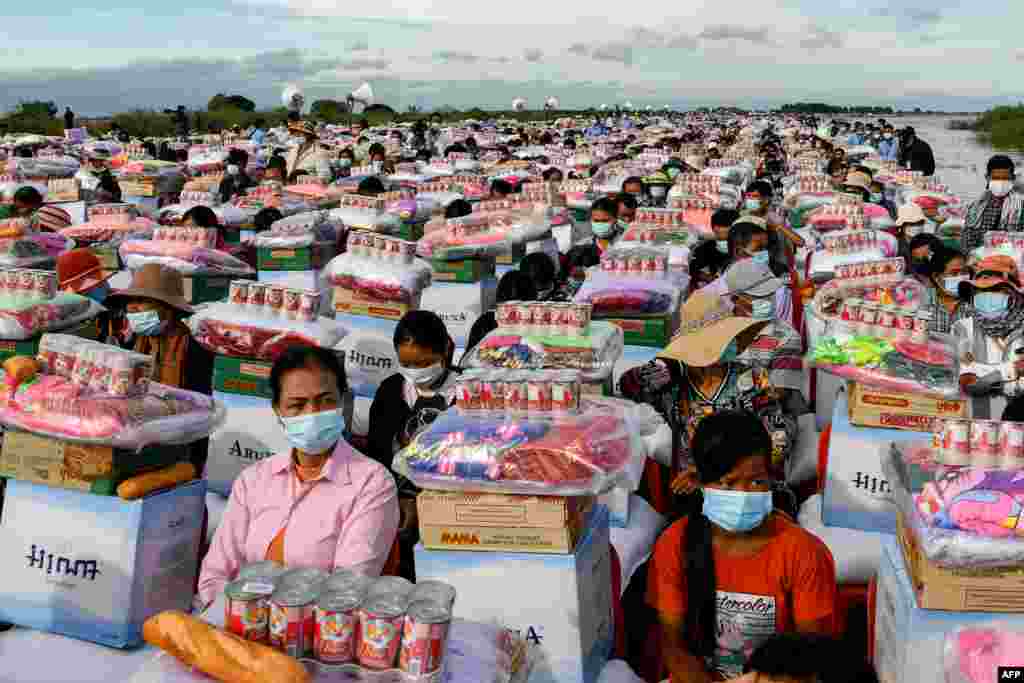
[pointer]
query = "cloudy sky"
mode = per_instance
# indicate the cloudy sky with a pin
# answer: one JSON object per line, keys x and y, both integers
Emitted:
{"x": 152, "y": 54}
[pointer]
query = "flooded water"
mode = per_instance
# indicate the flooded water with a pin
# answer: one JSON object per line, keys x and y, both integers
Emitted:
{"x": 959, "y": 158}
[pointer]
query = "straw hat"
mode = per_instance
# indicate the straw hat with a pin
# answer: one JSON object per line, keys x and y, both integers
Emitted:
{"x": 857, "y": 179}
{"x": 909, "y": 214}
{"x": 154, "y": 281}
{"x": 993, "y": 271}
{"x": 696, "y": 162}
{"x": 302, "y": 128}
{"x": 79, "y": 271}
{"x": 707, "y": 326}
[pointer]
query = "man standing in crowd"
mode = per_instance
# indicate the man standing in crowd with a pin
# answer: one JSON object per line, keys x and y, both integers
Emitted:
{"x": 916, "y": 154}
{"x": 1000, "y": 207}
{"x": 69, "y": 118}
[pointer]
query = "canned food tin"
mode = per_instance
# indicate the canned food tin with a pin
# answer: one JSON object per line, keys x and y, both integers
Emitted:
{"x": 956, "y": 442}
{"x": 650, "y": 266}
{"x": 921, "y": 322}
{"x": 438, "y": 592}
{"x": 488, "y": 384}
{"x": 565, "y": 393}
{"x": 868, "y": 319}
{"x": 636, "y": 265}
{"x": 380, "y": 245}
{"x": 381, "y": 624}
{"x": 12, "y": 278}
{"x": 26, "y": 282}
{"x": 984, "y": 443}
{"x": 257, "y": 296}
{"x": 608, "y": 265}
{"x": 390, "y": 585}
{"x": 274, "y": 304}
{"x": 310, "y": 577}
{"x": 395, "y": 251}
{"x": 102, "y": 370}
{"x": 238, "y": 293}
{"x": 292, "y": 303}
{"x": 261, "y": 569}
{"x": 515, "y": 392}
{"x": 1011, "y": 445}
{"x": 309, "y": 306}
{"x": 336, "y": 620}
{"x": 424, "y": 638}
{"x": 247, "y": 611}
{"x": 505, "y": 314}
{"x": 524, "y": 312}
{"x": 45, "y": 285}
{"x": 467, "y": 392}
{"x": 292, "y": 621}
{"x": 408, "y": 252}
{"x": 538, "y": 392}
{"x": 542, "y": 319}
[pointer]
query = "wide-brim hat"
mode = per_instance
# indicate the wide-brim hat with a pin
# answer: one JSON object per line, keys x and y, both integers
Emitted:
{"x": 752, "y": 278}
{"x": 993, "y": 271}
{"x": 909, "y": 214}
{"x": 154, "y": 281}
{"x": 858, "y": 180}
{"x": 708, "y": 324}
{"x": 302, "y": 128}
{"x": 79, "y": 270}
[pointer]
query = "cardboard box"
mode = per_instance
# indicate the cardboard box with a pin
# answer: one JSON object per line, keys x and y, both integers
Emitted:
{"x": 139, "y": 188}
{"x": 491, "y": 521}
{"x": 858, "y": 495}
{"x": 250, "y": 433}
{"x": 96, "y": 567}
{"x": 368, "y": 352}
{"x": 109, "y": 257}
{"x": 459, "y": 305}
{"x": 204, "y": 289}
{"x": 654, "y": 332}
{"x": 938, "y": 588}
{"x": 353, "y": 303}
{"x": 871, "y": 408}
{"x": 909, "y": 640}
{"x": 411, "y": 232}
{"x": 80, "y": 467}
{"x": 301, "y": 258}
{"x": 242, "y": 376}
{"x": 511, "y": 256}
{"x": 560, "y": 603}
{"x": 466, "y": 270}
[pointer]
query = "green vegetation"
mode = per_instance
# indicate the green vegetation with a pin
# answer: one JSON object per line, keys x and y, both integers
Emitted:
{"x": 822, "y": 108}
{"x": 34, "y": 117}
{"x": 1003, "y": 127}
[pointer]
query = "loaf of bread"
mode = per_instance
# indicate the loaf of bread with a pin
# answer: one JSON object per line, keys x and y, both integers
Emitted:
{"x": 20, "y": 369}
{"x": 142, "y": 485}
{"x": 218, "y": 654}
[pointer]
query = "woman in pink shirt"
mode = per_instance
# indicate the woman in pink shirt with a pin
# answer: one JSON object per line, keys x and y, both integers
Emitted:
{"x": 321, "y": 505}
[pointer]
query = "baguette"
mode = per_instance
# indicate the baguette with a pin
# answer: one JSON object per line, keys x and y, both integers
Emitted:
{"x": 223, "y": 656}
{"x": 143, "y": 484}
{"x": 20, "y": 369}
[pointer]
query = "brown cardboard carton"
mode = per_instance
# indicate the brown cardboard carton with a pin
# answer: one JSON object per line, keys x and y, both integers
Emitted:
{"x": 354, "y": 303}
{"x": 496, "y": 522}
{"x": 938, "y": 588}
{"x": 890, "y": 410}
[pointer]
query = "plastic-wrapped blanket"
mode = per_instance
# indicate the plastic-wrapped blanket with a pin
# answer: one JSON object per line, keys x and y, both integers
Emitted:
{"x": 108, "y": 231}
{"x": 361, "y": 219}
{"x": 231, "y": 330}
{"x": 20, "y": 319}
{"x": 614, "y": 296}
{"x": 39, "y": 167}
{"x": 415, "y": 210}
{"x": 893, "y": 365}
{"x": 56, "y": 407}
{"x": 228, "y": 214}
{"x": 974, "y": 654}
{"x": 953, "y": 513}
{"x": 380, "y": 279}
{"x": 38, "y": 250}
{"x": 594, "y": 355}
{"x": 538, "y": 454}
{"x": 484, "y": 234}
{"x": 823, "y": 263}
{"x": 186, "y": 258}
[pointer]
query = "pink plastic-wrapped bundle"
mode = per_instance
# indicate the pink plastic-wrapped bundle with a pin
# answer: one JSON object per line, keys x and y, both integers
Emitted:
{"x": 184, "y": 257}
{"x": 109, "y": 231}
{"x": 483, "y": 234}
{"x": 375, "y": 274}
{"x": 24, "y": 319}
{"x": 58, "y": 407}
{"x": 975, "y": 654}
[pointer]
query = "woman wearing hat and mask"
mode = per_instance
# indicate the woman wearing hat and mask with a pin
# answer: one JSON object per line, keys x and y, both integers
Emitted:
{"x": 97, "y": 180}
{"x": 1001, "y": 206}
{"x": 80, "y": 272}
{"x": 658, "y": 185}
{"x": 307, "y": 158}
{"x": 699, "y": 373}
{"x": 943, "y": 272}
{"x": 990, "y": 337}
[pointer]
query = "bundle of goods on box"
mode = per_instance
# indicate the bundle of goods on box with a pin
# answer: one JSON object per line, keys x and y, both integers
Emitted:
{"x": 30, "y": 304}
{"x": 206, "y": 159}
{"x": 377, "y": 271}
{"x": 370, "y": 213}
{"x": 270, "y": 195}
{"x": 578, "y": 195}
{"x": 22, "y": 247}
{"x": 63, "y": 190}
{"x": 299, "y": 624}
{"x": 95, "y": 393}
{"x": 229, "y": 215}
{"x": 302, "y": 230}
{"x": 43, "y": 168}
{"x": 260, "y": 321}
{"x": 188, "y": 250}
{"x": 494, "y": 234}
{"x": 150, "y": 178}
{"x": 107, "y": 226}
{"x": 550, "y": 335}
{"x": 845, "y": 247}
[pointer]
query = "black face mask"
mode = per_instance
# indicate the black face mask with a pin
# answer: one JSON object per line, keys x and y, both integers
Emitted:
{"x": 919, "y": 267}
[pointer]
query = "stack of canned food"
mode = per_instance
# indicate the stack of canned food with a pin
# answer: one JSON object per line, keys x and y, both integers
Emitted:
{"x": 274, "y": 301}
{"x": 202, "y": 237}
{"x": 885, "y": 321}
{"x": 342, "y": 619}
{"x": 979, "y": 443}
{"x": 519, "y": 391}
{"x": 543, "y": 318}
{"x": 27, "y": 284}
{"x": 855, "y": 241}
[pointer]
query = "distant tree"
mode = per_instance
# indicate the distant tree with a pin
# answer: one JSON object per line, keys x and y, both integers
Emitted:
{"x": 328, "y": 110}
{"x": 379, "y": 109}
{"x": 413, "y": 109}
{"x": 221, "y": 101}
{"x": 37, "y": 108}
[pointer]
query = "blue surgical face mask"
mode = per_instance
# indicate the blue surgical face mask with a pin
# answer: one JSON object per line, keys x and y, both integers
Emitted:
{"x": 722, "y": 246}
{"x": 752, "y": 204}
{"x": 737, "y": 511}
{"x": 314, "y": 433}
{"x": 763, "y": 309}
{"x": 730, "y": 353}
{"x": 991, "y": 304}
{"x": 875, "y": 198}
{"x": 762, "y": 257}
{"x": 146, "y": 323}
{"x": 602, "y": 228}
{"x": 345, "y": 162}
{"x": 99, "y": 293}
{"x": 951, "y": 284}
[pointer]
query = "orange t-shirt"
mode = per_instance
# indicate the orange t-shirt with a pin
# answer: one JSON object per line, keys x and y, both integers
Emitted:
{"x": 792, "y": 579}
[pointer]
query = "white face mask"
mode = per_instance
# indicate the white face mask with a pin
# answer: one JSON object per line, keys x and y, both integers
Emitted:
{"x": 658, "y": 191}
{"x": 951, "y": 284}
{"x": 722, "y": 246}
{"x": 1000, "y": 188}
{"x": 232, "y": 169}
{"x": 423, "y": 377}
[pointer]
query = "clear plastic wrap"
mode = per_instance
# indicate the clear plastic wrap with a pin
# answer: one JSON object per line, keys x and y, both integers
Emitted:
{"x": 363, "y": 219}
{"x": 936, "y": 500}
{"x": 484, "y": 234}
{"x": 39, "y": 250}
{"x": 974, "y": 654}
{"x": 53, "y": 406}
{"x": 20, "y": 319}
{"x": 383, "y": 280}
{"x": 614, "y": 296}
{"x": 228, "y": 329}
{"x": 110, "y": 232}
{"x": 879, "y": 245}
{"x": 595, "y": 355}
{"x": 188, "y": 259}
{"x": 536, "y": 454}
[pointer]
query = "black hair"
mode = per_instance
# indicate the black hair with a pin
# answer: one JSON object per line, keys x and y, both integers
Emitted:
{"x": 834, "y": 166}
{"x": 277, "y": 162}
{"x": 301, "y": 356}
{"x": 539, "y": 268}
{"x": 1014, "y": 410}
{"x": 1000, "y": 162}
{"x": 941, "y": 256}
{"x": 761, "y": 187}
{"x": 627, "y": 200}
{"x": 803, "y": 655}
{"x": 606, "y": 204}
{"x": 376, "y": 148}
{"x": 202, "y": 216}
{"x": 721, "y": 441}
{"x": 425, "y": 329}
{"x": 500, "y": 186}
{"x": 150, "y": 148}
{"x": 265, "y": 218}
{"x": 741, "y": 234}
{"x": 458, "y": 147}
{"x": 458, "y": 208}
{"x": 347, "y": 152}
{"x": 515, "y": 285}
{"x": 569, "y": 143}
{"x": 28, "y": 195}
{"x": 370, "y": 187}
{"x": 239, "y": 157}
{"x": 860, "y": 191}
{"x": 725, "y": 217}
{"x": 550, "y": 172}
{"x": 632, "y": 179}
{"x": 925, "y": 240}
